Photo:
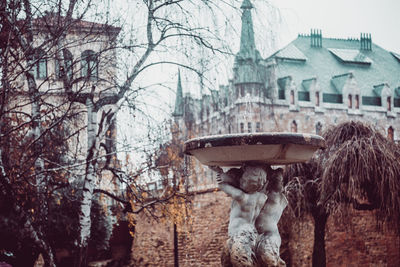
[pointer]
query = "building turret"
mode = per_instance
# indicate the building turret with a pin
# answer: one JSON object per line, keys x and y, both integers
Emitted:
{"x": 249, "y": 74}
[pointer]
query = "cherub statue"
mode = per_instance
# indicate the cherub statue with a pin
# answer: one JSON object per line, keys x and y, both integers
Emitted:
{"x": 269, "y": 240}
{"x": 247, "y": 201}
{"x": 257, "y": 205}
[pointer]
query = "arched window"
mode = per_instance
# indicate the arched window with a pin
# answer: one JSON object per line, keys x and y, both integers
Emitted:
{"x": 67, "y": 64}
{"x": 317, "y": 99}
{"x": 318, "y": 128}
{"x": 293, "y": 127}
{"x": 291, "y": 97}
{"x": 39, "y": 68}
{"x": 390, "y": 133}
{"x": 249, "y": 127}
{"x": 242, "y": 127}
{"x": 89, "y": 64}
{"x": 350, "y": 104}
{"x": 258, "y": 127}
{"x": 357, "y": 102}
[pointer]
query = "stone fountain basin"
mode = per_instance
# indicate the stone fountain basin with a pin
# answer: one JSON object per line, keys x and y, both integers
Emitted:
{"x": 261, "y": 148}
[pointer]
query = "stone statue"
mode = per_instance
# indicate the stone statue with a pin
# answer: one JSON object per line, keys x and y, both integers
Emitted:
{"x": 269, "y": 240}
{"x": 257, "y": 205}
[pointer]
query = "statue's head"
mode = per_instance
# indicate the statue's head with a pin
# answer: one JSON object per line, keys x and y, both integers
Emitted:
{"x": 253, "y": 179}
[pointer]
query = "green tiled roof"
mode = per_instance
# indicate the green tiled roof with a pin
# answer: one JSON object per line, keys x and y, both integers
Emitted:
{"x": 322, "y": 63}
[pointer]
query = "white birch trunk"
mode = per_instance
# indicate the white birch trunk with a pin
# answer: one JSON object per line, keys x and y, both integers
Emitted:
{"x": 90, "y": 177}
{"x": 36, "y": 134}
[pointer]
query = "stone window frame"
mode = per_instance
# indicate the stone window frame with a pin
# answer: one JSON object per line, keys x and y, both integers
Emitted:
{"x": 258, "y": 127}
{"x": 241, "y": 127}
{"x": 350, "y": 101}
{"x": 249, "y": 127}
{"x": 89, "y": 65}
{"x": 39, "y": 67}
{"x": 68, "y": 61}
{"x": 389, "y": 103}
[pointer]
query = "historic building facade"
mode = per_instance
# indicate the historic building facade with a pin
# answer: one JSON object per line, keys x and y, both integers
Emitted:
{"x": 311, "y": 83}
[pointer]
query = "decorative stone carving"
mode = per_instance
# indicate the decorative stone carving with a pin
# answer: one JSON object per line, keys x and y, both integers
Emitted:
{"x": 255, "y": 188}
{"x": 257, "y": 205}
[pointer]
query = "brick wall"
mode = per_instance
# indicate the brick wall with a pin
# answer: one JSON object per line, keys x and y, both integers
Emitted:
{"x": 352, "y": 243}
{"x": 359, "y": 243}
{"x": 153, "y": 243}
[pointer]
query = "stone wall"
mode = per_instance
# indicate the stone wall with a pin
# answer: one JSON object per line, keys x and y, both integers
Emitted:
{"x": 352, "y": 243}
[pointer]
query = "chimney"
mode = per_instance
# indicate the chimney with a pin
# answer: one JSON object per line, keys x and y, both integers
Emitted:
{"x": 365, "y": 41}
{"x": 316, "y": 38}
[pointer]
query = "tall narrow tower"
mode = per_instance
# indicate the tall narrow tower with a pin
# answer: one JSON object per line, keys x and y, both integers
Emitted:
{"x": 249, "y": 74}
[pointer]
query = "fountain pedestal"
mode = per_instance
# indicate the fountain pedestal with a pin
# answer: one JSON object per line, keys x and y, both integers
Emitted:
{"x": 255, "y": 188}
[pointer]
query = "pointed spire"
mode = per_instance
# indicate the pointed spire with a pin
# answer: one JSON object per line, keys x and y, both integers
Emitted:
{"x": 246, "y": 67}
{"x": 247, "y": 43}
{"x": 179, "y": 98}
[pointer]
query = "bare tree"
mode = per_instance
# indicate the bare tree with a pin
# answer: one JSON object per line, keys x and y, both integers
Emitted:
{"x": 37, "y": 105}
{"x": 359, "y": 168}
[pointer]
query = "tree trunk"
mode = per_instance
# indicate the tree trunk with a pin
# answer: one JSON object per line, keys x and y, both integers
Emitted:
{"x": 89, "y": 183}
{"x": 319, "y": 256}
{"x": 176, "y": 257}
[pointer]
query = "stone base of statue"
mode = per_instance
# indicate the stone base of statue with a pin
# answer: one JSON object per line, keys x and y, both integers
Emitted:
{"x": 255, "y": 188}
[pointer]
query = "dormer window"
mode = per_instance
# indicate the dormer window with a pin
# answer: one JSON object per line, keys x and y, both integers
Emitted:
{"x": 317, "y": 99}
{"x": 389, "y": 103}
{"x": 350, "y": 103}
{"x": 357, "y": 100}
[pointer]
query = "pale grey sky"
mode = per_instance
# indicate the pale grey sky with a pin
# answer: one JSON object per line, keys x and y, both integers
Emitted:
{"x": 342, "y": 19}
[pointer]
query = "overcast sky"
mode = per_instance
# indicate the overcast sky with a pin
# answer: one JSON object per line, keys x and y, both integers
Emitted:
{"x": 342, "y": 19}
